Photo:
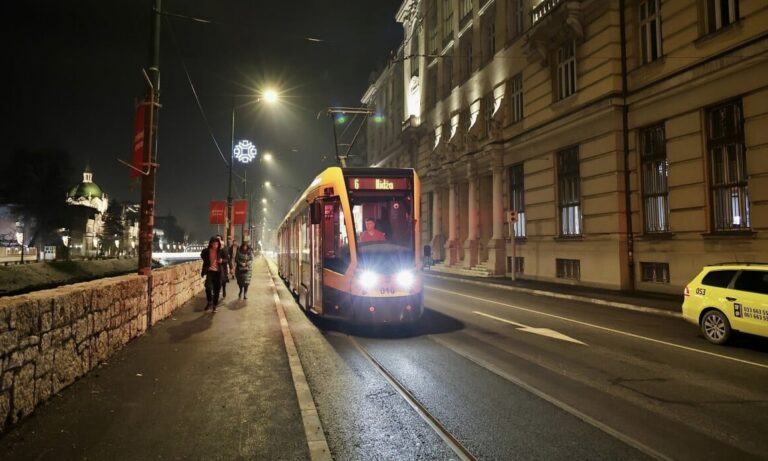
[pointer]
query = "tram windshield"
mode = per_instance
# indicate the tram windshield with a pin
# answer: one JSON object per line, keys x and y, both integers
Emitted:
{"x": 384, "y": 230}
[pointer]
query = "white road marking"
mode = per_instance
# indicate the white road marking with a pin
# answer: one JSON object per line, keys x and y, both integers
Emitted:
{"x": 552, "y": 400}
{"x": 611, "y": 330}
{"x": 537, "y": 331}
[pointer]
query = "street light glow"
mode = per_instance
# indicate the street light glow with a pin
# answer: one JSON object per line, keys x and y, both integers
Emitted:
{"x": 267, "y": 183}
{"x": 271, "y": 96}
{"x": 267, "y": 156}
{"x": 263, "y": 200}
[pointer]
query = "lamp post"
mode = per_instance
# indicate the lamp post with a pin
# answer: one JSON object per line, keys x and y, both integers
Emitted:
{"x": 270, "y": 97}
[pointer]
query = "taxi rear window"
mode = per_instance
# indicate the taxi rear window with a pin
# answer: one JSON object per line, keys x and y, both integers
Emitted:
{"x": 718, "y": 278}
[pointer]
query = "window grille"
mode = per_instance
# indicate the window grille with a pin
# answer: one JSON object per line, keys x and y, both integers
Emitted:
{"x": 517, "y": 197}
{"x": 654, "y": 272}
{"x": 515, "y": 12}
{"x": 650, "y": 31}
{"x": 566, "y": 70}
{"x": 489, "y": 40}
{"x": 488, "y": 101}
{"x": 655, "y": 172}
{"x": 569, "y": 191}
{"x": 432, "y": 44}
{"x": 465, "y": 8}
{"x": 568, "y": 269}
{"x": 447, "y": 19}
{"x": 516, "y": 97}
{"x": 721, "y": 13}
{"x": 730, "y": 196}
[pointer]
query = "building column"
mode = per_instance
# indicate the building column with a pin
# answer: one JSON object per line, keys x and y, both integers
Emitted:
{"x": 452, "y": 245}
{"x": 471, "y": 244}
{"x": 437, "y": 237}
{"x": 497, "y": 246}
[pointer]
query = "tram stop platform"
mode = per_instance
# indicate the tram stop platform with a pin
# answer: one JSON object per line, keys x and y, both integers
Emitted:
{"x": 199, "y": 385}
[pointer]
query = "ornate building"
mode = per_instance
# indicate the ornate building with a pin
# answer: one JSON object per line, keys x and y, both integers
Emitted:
{"x": 89, "y": 204}
{"x": 628, "y": 135}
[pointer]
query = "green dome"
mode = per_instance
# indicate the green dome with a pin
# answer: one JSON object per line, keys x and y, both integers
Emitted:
{"x": 85, "y": 190}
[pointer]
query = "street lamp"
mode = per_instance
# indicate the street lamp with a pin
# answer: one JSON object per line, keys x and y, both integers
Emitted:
{"x": 270, "y": 96}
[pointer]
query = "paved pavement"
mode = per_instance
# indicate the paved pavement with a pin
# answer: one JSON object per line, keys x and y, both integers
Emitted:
{"x": 211, "y": 386}
{"x": 197, "y": 386}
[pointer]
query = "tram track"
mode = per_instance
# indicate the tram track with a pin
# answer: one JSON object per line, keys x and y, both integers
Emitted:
{"x": 461, "y": 451}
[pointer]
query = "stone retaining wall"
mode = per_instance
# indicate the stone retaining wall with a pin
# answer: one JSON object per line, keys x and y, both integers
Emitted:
{"x": 50, "y": 338}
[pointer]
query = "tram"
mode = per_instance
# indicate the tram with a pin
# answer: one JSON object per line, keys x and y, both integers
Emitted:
{"x": 348, "y": 248}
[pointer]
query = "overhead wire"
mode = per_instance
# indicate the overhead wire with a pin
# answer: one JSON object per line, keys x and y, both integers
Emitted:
{"x": 177, "y": 48}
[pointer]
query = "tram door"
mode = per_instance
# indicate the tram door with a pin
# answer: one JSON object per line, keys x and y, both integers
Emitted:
{"x": 316, "y": 255}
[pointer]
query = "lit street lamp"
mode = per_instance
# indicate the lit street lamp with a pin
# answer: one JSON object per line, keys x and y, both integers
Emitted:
{"x": 270, "y": 96}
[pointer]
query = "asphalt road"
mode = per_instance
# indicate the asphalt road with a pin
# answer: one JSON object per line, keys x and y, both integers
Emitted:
{"x": 514, "y": 376}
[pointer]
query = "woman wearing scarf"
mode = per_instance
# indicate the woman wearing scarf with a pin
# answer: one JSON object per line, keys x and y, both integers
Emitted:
{"x": 214, "y": 263}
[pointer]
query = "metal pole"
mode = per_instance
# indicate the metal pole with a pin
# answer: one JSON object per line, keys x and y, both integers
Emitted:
{"x": 230, "y": 216}
{"x": 147, "y": 212}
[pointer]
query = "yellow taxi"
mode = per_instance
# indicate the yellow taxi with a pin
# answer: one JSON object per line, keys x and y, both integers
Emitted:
{"x": 728, "y": 297}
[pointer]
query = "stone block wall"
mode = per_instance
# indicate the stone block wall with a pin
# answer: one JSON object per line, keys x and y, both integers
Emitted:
{"x": 50, "y": 338}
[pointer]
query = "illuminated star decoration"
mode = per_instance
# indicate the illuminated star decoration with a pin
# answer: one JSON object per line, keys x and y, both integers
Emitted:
{"x": 245, "y": 151}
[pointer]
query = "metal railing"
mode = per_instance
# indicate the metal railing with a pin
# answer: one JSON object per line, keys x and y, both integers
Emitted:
{"x": 543, "y": 9}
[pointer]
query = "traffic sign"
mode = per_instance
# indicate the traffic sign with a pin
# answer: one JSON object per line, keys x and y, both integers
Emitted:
{"x": 512, "y": 216}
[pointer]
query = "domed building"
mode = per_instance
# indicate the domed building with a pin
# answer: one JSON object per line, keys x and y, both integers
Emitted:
{"x": 89, "y": 204}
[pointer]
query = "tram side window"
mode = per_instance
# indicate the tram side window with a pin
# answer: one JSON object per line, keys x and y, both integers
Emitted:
{"x": 335, "y": 239}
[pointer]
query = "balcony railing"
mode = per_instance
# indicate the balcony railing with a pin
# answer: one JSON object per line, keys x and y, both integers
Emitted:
{"x": 543, "y": 9}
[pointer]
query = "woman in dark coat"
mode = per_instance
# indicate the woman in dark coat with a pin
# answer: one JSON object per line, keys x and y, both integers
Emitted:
{"x": 214, "y": 262}
{"x": 243, "y": 262}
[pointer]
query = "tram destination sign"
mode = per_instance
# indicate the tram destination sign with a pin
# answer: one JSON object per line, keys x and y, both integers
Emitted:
{"x": 378, "y": 183}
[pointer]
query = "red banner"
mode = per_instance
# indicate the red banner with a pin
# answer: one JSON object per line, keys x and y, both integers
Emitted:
{"x": 241, "y": 209}
{"x": 138, "y": 140}
{"x": 217, "y": 212}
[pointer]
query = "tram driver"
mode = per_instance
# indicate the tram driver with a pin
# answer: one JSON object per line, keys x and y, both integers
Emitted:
{"x": 371, "y": 234}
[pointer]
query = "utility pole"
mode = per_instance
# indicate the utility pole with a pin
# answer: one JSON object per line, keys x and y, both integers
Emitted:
{"x": 147, "y": 212}
{"x": 230, "y": 226}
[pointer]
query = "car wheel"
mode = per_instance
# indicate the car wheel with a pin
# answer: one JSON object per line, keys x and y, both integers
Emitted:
{"x": 715, "y": 326}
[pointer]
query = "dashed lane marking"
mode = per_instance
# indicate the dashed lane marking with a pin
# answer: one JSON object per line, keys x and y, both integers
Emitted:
{"x": 599, "y": 327}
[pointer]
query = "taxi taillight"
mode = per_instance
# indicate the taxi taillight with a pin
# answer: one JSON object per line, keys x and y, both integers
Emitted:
{"x": 686, "y": 292}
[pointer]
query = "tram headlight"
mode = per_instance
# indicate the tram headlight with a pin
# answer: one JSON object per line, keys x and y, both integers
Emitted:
{"x": 368, "y": 279}
{"x": 405, "y": 279}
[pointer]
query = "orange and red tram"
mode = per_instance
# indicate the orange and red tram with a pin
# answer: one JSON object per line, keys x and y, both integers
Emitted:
{"x": 348, "y": 248}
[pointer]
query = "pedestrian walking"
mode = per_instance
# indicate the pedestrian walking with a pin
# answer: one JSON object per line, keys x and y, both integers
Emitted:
{"x": 229, "y": 250}
{"x": 213, "y": 264}
{"x": 243, "y": 263}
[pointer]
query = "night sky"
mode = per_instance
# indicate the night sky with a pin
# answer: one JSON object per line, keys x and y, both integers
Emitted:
{"x": 75, "y": 72}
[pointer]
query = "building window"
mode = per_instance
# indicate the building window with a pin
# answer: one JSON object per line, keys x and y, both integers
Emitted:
{"x": 448, "y": 82}
{"x": 516, "y": 98}
{"x": 730, "y": 198}
{"x": 432, "y": 44}
{"x": 465, "y": 9}
{"x": 515, "y": 12}
{"x": 654, "y": 272}
{"x": 447, "y": 20}
{"x": 431, "y": 97}
{"x": 569, "y": 191}
{"x": 566, "y": 70}
{"x": 489, "y": 36}
{"x": 650, "y": 31}
{"x": 517, "y": 197}
{"x": 568, "y": 269}
{"x": 519, "y": 264}
{"x": 721, "y": 13}
{"x": 466, "y": 56}
{"x": 655, "y": 171}
{"x": 488, "y": 106}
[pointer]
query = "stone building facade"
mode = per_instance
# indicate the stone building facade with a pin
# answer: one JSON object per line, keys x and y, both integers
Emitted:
{"x": 630, "y": 136}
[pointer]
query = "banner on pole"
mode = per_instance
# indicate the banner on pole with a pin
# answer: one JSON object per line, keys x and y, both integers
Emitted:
{"x": 139, "y": 128}
{"x": 241, "y": 209}
{"x": 217, "y": 212}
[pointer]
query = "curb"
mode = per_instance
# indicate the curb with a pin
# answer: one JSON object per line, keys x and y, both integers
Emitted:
{"x": 551, "y": 294}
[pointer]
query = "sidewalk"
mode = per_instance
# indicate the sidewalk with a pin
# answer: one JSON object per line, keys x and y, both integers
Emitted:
{"x": 653, "y": 303}
{"x": 197, "y": 386}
